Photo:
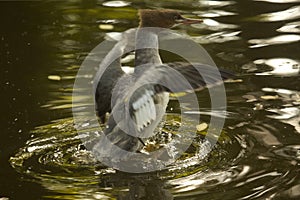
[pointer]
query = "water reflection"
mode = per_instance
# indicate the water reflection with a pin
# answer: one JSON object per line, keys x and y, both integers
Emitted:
{"x": 293, "y": 27}
{"x": 257, "y": 155}
{"x": 56, "y": 158}
{"x": 213, "y": 4}
{"x": 280, "y": 39}
{"x": 146, "y": 187}
{"x": 288, "y": 115}
{"x": 287, "y": 110}
{"x": 288, "y": 14}
{"x": 214, "y": 25}
{"x": 204, "y": 180}
{"x": 213, "y": 13}
{"x": 280, "y": 1}
{"x": 281, "y": 66}
{"x": 116, "y": 3}
{"x": 219, "y": 37}
{"x": 292, "y": 192}
{"x": 264, "y": 134}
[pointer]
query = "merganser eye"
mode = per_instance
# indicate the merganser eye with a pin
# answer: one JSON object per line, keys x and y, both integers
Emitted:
{"x": 177, "y": 17}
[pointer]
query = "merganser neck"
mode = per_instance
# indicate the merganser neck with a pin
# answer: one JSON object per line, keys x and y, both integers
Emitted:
{"x": 146, "y": 45}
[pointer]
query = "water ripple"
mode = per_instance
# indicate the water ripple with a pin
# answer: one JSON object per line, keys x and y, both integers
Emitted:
{"x": 211, "y": 4}
{"x": 287, "y": 110}
{"x": 280, "y": 1}
{"x": 219, "y": 37}
{"x": 213, "y": 13}
{"x": 288, "y": 14}
{"x": 214, "y": 25}
{"x": 256, "y": 157}
{"x": 290, "y": 152}
{"x": 280, "y": 39}
{"x": 293, "y": 27}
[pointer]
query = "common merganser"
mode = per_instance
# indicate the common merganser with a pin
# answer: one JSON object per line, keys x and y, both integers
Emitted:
{"x": 137, "y": 101}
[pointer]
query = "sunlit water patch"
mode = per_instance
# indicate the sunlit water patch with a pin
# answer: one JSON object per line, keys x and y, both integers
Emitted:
{"x": 215, "y": 3}
{"x": 293, "y": 27}
{"x": 281, "y": 66}
{"x": 280, "y": 1}
{"x": 280, "y": 39}
{"x": 219, "y": 37}
{"x": 116, "y": 3}
{"x": 288, "y": 14}
{"x": 214, "y": 13}
{"x": 214, "y": 25}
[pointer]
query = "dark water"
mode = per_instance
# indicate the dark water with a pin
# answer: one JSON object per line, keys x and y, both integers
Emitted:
{"x": 43, "y": 43}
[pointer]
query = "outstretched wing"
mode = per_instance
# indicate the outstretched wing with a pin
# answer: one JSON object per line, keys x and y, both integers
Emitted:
{"x": 141, "y": 107}
{"x": 198, "y": 76}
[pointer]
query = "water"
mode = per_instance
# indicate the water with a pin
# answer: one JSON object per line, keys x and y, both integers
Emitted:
{"x": 257, "y": 156}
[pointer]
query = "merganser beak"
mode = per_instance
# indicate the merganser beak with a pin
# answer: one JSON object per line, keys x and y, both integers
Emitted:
{"x": 188, "y": 21}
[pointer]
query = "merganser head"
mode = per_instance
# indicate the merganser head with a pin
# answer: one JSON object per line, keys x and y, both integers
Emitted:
{"x": 163, "y": 18}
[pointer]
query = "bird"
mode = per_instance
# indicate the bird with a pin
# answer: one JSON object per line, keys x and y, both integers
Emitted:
{"x": 137, "y": 102}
